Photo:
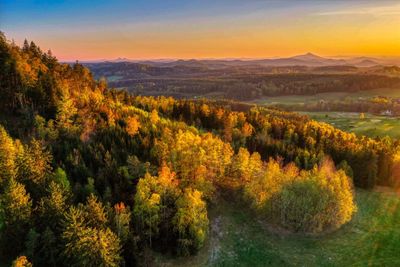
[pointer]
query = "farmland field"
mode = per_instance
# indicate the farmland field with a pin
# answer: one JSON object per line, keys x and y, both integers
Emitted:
{"x": 370, "y": 125}
{"x": 238, "y": 238}
{"x": 332, "y": 96}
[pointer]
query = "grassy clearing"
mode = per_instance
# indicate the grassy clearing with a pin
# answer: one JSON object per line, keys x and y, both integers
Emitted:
{"x": 371, "y": 125}
{"x": 332, "y": 96}
{"x": 237, "y": 238}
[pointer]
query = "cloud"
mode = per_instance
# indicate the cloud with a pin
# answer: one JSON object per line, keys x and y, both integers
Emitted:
{"x": 391, "y": 10}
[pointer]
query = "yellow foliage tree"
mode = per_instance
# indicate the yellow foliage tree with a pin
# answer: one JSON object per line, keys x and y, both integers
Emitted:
{"x": 21, "y": 261}
{"x": 154, "y": 118}
{"x": 132, "y": 125}
{"x": 191, "y": 221}
{"x": 7, "y": 156}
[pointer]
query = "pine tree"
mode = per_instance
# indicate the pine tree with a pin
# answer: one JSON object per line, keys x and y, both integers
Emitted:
{"x": 15, "y": 213}
{"x": 88, "y": 246}
{"x": 7, "y": 156}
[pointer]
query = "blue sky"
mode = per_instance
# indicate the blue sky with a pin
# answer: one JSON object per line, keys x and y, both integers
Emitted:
{"x": 149, "y": 29}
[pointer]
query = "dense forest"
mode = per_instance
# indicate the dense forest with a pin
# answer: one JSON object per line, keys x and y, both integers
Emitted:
{"x": 246, "y": 81}
{"x": 93, "y": 176}
{"x": 375, "y": 105}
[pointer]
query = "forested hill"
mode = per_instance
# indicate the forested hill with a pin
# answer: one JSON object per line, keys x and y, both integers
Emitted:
{"x": 241, "y": 80}
{"x": 91, "y": 176}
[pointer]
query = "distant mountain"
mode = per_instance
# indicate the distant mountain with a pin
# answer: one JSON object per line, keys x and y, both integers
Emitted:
{"x": 367, "y": 63}
{"x": 306, "y": 60}
{"x": 386, "y": 70}
{"x": 364, "y": 61}
{"x": 309, "y": 59}
{"x": 120, "y": 59}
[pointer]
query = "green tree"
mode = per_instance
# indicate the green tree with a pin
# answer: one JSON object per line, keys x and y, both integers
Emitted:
{"x": 95, "y": 213}
{"x": 34, "y": 168}
{"x": 89, "y": 246}
{"x": 147, "y": 207}
{"x": 51, "y": 208}
{"x": 191, "y": 221}
{"x": 7, "y": 156}
{"x": 15, "y": 213}
{"x": 121, "y": 221}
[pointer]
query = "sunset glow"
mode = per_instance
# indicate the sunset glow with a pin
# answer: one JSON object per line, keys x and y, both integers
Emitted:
{"x": 203, "y": 29}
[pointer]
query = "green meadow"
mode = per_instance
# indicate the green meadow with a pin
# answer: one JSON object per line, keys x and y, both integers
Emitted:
{"x": 332, "y": 96}
{"x": 370, "y": 125}
{"x": 238, "y": 238}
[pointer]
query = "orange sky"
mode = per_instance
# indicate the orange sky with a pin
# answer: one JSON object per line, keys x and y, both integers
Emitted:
{"x": 250, "y": 31}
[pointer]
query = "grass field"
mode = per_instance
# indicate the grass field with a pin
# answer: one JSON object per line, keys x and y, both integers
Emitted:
{"x": 238, "y": 238}
{"x": 333, "y": 96}
{"x": 371, "y": 125}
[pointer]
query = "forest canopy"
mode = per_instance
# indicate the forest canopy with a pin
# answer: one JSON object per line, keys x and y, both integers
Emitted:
{"x": 93, "y": 176}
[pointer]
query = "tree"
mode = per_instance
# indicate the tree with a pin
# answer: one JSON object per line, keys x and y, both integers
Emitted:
{"x": 66, "y": 111}
{"x": 50, "y": 249}
{"x": 7, "y": 156}
{"x": 247, "y": 130}
{"x": 132, "y": 126}
{"x": 154, "y": 117}
{"x": 343, "y": 165}
{"x": 34, "y": 168}
{"x": 15, "y": 213}
{"x": 306, "y": 201}
{"x": 245, "y": 166}
{"x": 147, "y": 207}
{"x": 60, "y": 177}
{"x": 51, "y": 208}
{"x": 191, "y": 221}
{"x": 21, "y": 261}
{"x": 200, "y": 161}
{"x": 121, "y": 221}
{"x": 95, "y": 214}
{"x": 89, "y": 246}
{"x": 32, "y": 243}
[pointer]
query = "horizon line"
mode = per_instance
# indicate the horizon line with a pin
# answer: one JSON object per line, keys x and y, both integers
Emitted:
{"x": 126, "y": 59}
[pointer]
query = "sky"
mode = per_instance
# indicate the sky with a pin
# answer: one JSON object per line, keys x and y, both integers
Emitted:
{"x": 157, "y": 29}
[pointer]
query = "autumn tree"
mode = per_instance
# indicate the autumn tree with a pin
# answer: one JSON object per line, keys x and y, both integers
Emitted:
{"x": 306, "y": 201}
{"x": 21, "y": 261}
{"x": 245, "y": 166}
{"x": 121, "y": 221}
{"x": 66, "y": 111}
{"x": 8, "y": 154}
{"x": 200, "y": 161}
{"x": 191, "y": 221}
{"x": 148, "y": 206}
{"x": 132, "y": 125}
{"x": 154, "y": 117}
